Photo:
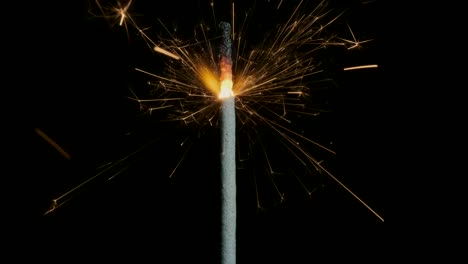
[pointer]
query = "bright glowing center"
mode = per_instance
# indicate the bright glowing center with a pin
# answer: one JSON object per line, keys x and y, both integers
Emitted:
{"x": 226, "y": 89}
{"x": 226, "y": 78}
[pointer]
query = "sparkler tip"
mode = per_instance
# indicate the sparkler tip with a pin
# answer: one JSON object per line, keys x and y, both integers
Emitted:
{"x": 226, "y": 89}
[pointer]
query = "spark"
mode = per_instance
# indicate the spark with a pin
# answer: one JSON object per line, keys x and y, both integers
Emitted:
{"x": 361, "y": 67}
{"x": 351, "y": 192}
{"x": 118, "y": 13}
{"x": 278, "y": 7}
{"x": 180, "y": 160}
{"x": 52, "y": 143}
{"x": 122, "y": 12}
{"x": 355, "y": 43}
{"x": 165, "y": 52}
{"x": 213, "y": 12}
{"x": 67, "y": 196}
{"x": 303, "y": 184}
{"x": 318, "y": 165}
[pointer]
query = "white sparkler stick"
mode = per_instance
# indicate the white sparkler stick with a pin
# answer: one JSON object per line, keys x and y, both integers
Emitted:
{"x": 228, "y": 151}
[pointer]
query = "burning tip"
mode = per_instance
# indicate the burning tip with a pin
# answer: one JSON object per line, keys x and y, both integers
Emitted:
{"x": 226, "y": 89}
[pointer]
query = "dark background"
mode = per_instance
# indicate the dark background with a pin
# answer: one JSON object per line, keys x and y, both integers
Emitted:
{"x": 76, "y": 76}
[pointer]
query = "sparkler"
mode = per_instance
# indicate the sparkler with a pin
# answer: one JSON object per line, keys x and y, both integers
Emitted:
{"x": 270, "y": 84}
{"x": 228, "y": 151}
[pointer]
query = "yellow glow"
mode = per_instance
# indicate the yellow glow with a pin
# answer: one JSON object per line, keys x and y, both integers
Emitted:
{"x": 209, "y": 80}
{"x": 226, "y": 89}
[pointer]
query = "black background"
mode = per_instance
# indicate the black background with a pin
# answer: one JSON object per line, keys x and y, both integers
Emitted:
{"x": 76, "y": 71}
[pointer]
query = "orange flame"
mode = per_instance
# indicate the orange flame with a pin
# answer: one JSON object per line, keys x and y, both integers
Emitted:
{"x": 226, "y": 79}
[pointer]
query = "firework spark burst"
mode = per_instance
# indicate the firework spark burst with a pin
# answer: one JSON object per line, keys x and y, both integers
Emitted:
{"x": 274, "y": 83}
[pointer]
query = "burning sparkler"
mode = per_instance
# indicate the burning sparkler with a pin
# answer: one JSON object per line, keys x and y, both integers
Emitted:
{"x": 228, "y": 150}
{"x": 263, "y": 86}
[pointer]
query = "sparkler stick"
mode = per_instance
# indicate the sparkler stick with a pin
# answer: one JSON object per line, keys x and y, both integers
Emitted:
{"x": 228, "y": 151}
